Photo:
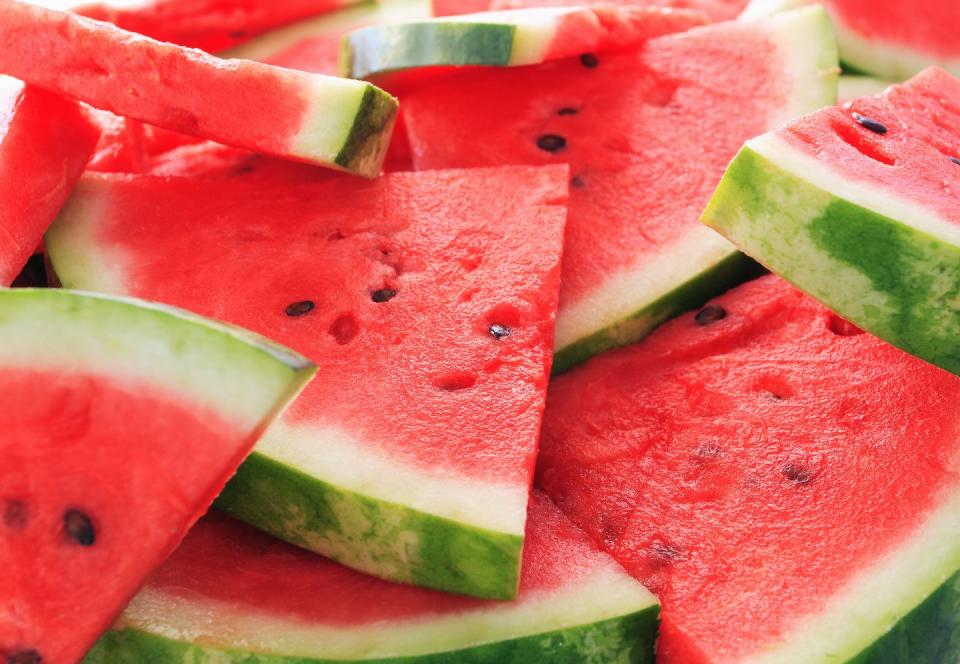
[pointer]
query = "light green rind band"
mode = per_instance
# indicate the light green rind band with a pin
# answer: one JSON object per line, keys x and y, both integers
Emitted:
{"x": 388, "y": 540}
{"x": 625, "y": 640}
{"x": 366, "y": 144}
{"x": 236, "y": 373}
{"x": 886, "y": 276}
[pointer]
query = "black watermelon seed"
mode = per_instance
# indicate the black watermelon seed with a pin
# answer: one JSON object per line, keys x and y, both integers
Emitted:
{"x": 300, "y": 308}
{"x": 15, "y": 514}
{"x": 499, "y": 331}
{"x": 578, "y": 182}
{"x": 710, "y": 314}
{"x": 589, "y": 60}
{"x": 383, "y": 295}
{"x": 797, "y": 474}
{"x": 25, "y": 657}
{"x": 79, "y": 528}
{"x": 955, "y": 160}
{"x": 551, "y": 142}
{"x": 870, "y": 123}
{"x": 567, "y": 110}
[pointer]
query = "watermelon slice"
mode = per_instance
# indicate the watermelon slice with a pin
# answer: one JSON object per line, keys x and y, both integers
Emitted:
{"x": 633, "y": 122}
{"x": 788, "y": 486}
{"x": 505, "y": 39}
{"x": 45, "y": 141}
{"x": 324, "y": 120}
{"x": 858, "y": 206}
{"x": 113, "y": 444}
{"x": 264, "y": 601}
{"x": 432, "y": 320}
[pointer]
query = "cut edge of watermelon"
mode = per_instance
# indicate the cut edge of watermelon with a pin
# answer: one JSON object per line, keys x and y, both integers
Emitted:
{"x": 473, "y": 545}
{"x": 605, "y": 602}
{"x": 189, "y": 354}
{"x": 906, "y": 579}
{"x": 645, "y": 296}
{"x": 772, "y": 180}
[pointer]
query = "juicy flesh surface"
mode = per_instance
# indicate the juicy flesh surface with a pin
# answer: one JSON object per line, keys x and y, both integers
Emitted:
{"x": 225, "y": 561}
{"x": 912, "y": 159}
{"x": 44, "y": 143}
{"x": 715, "y": 10}
{"x": 166, "y": 85}
{"x": 418, "y": 376}
{"x": 633, "y": 116}
{"x": 746, "y": 469}
{"x": 927, "y": 25}
{"x": 141, "y": 465}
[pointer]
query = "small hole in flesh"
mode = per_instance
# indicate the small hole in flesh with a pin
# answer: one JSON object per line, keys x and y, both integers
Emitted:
{"x": 344, "y": 329}
{"x": 567, "y": 110}
{"x": 455, "y": 380}
{"x": 843, "y": 328}
{"x": 578, "y": 182}
{"x": 16, "y": 514}
{"x": 551, "y": 142}
{"x": 27, "y": 656}
{"x": 589, "y": 60}
{"x": 301, "y": 308}
{"x": 499, "y": 331}
{"x": 710, "y": 314}
{"x": 79, "y": 528}
{"x": 664, "y": 552}
{"x": 382, "y": 295}
{"x": 797, "y": 474}
{"x": 869, "y": 123}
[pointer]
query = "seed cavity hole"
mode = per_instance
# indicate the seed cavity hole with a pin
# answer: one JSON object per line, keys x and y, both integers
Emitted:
{"x": 28, "y": 656}
{"x": 797, "y": 473}
{"x": 710, "y": 314}
{"x": 16, "y": 514}
{"x": 842, "y": 328}
{"x": 79, "y": 528}
{"x": 589, "y": 60}
{"x": 567, "y": 110}
{"x": 344, "y": 328}
{"x": 455, "y": 380}
{"x": 862, "y": 143}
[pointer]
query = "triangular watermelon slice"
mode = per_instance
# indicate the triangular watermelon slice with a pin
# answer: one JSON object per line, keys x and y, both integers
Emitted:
{"x": 858, "y": 206}
{"x": 427, "y": 305}
{"x": 647, "y": 134}
{"x": 45, "y": 141}
{"x": 787, "y": 485}
{"x": 122, "y": 421}
{"x": 307, "y": 117}
{"x": 261, "y": 600}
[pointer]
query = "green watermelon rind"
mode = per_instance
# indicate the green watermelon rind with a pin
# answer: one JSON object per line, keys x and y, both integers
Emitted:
{"x": 807, "y": 223}
{"x": 448, "y": 555}
{"x": 627, "y": 639}
{"x": 231, "y": 371}
{"x": 366, "y": 143}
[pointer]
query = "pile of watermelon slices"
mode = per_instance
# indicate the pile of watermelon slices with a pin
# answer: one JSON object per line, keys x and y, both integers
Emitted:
{"x": 480, "y": 331}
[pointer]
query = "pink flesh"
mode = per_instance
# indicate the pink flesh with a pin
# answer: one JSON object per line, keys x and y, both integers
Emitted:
{"x": 45, "y": 141}
{"x": 213, "y": 25}
{"x": 236, "y": 102}
{"x": 122, "y": 145}
{"x": 138, "y": 462}
{"x": 418, "y": 377}
{"x": 635, "y": 115}
{"x": 715, "y": 10}
{"x": 745, "y": 470}
{"x": 224, "y": 560}
{"x": 912, "y": 158}
{"x": 928, "y": 26}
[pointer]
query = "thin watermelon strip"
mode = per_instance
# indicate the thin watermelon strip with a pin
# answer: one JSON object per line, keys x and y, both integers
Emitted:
{"x": 786, "y": 485}
{"x": 113, "y": 446}
{"x": 504, "y": 39}
{"x": 324, "y": 120}
{"x": 647, "y": 134}
{"x": 45, "y": 141}
{"x": 432, "y": 320}
{"x": 715, "y": 10}
{"x": 263, "y": 601}
{"x": 858, "y": 206}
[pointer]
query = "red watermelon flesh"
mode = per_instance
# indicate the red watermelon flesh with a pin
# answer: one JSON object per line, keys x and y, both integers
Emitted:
{"x": 122, "y": 144}
{"x": 715, "y": 10}
{"x": 45, "y": 141}
{"x": 252, "y": 106}
{"x": 755, "y": 464}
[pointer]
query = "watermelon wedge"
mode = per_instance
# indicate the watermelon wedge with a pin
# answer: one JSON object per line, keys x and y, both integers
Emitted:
{"x": 264, "y": 601}
{"x": 788, "y": 486}
{"x": 113, "y": 445}
{"x": 324, "y": 120}
{"x": 505, "y": 39}
{"x": 633, "y": 122}
{"x": 45, "y": 141}
{"x": 411, "y": 457}
{"x": 858, "y": 206}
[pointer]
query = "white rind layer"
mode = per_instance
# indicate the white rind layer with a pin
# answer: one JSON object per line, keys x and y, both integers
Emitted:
{"x": 333, "y": 105}
{"x": 605, "y": 594}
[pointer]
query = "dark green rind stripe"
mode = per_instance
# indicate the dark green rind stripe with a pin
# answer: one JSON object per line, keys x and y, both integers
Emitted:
{"x": 366, "y": 145}
{"x": 721, "y": 277}
{"x": 367, "y": 534}
{"x": 930, "y": 634}
{"x": 625, "y": 640}
{"x": 915, "y": 274}
{"x": 385, "y": 48}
